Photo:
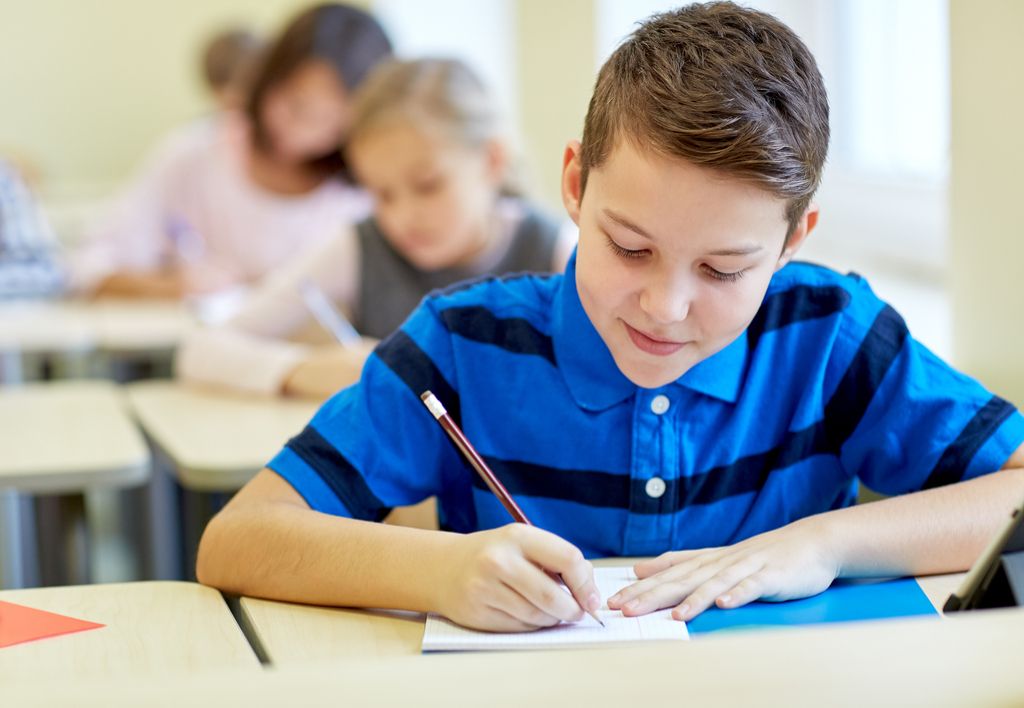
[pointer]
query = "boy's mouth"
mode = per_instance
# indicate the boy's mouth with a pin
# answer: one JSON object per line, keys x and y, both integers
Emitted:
{"x": 652, "y": 345}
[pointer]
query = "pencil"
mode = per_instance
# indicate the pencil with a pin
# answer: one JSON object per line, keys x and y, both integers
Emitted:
{"x": 327, "y": 315}
{"x": 477, "y": 463}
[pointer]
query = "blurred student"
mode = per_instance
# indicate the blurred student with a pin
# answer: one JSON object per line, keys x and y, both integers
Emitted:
{"x": 428, "y": 144}
{"x": 29, "y": 265}
{"x": 219, "y": 207}
{"x": 228, "y": 61}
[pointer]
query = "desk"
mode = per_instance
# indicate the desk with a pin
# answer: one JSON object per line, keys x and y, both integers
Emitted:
{"x": 968, "y": 660}
{"x": 216, "y": 440}
{"x": 213, "y": 442}
{"x": 63, "y": 438}
{"x": 153, "y": 628}
{"x": 139, "y": 326}
{"x": 74, "y": 328}
{"x": 294, "y": 635}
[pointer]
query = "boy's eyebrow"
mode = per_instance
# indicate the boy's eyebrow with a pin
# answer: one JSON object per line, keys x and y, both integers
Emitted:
{"x": 626, "y": 223}
{"x": 744, "y": 251}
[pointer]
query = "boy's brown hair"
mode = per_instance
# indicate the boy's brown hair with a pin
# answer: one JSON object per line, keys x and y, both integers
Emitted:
{"x": 720, "y": 86}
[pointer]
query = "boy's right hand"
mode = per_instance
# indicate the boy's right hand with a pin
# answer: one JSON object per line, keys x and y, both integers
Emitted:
{"x": 496, "y": 580}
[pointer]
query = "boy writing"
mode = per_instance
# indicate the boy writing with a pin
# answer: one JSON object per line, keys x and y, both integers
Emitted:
{"x": 683, "y": 389}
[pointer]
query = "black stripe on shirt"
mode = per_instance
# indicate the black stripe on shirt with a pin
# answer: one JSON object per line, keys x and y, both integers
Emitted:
{"x": 844, "y": 412}
{"x": 954, "y": 461}
{"x": 798, "y": 304}
{"x": 877, "y": 351}
{"x": 513, "y": 334}
{"x": 411, "y": 364}
{"x": 338, "y": 473}
{"x": 591, "y": 488}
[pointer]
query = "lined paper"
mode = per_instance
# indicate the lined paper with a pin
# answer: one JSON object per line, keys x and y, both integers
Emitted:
{"x": 441, "y": 634}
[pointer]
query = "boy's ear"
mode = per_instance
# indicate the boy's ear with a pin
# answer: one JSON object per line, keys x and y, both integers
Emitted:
{"x": 803, "y": 229}
{"x": 571, "y": 180}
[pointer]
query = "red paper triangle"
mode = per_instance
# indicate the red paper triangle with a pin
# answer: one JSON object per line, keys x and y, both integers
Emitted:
{"x": 24, "y": 624}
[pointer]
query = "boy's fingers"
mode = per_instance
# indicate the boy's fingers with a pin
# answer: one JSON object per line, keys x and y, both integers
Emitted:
{"x": 510, "y": 601}
{"x": 748, "y": 590}
{"x": 726, "y": 579}
{"x": 681, "y": 574}
{"x": 544, "y": 593}
{"x": 557, "y": 555}
{"x": 498, "y": 620}
{"x": 581, "y": 583}
{"x": 650, "y": 566}
{"x": 616, "y": 601}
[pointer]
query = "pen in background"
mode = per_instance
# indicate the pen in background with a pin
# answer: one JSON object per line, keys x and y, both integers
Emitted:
{"x": 327, "y": 314}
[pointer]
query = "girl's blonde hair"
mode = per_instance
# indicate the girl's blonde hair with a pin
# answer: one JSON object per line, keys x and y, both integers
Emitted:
{"x": 439, "y": 94}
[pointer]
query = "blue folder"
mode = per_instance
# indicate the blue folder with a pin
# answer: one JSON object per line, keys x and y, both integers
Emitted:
{"x": 845, "y": 601}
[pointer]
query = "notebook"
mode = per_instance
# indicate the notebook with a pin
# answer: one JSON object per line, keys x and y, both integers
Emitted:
{"x": 441, "y": 634}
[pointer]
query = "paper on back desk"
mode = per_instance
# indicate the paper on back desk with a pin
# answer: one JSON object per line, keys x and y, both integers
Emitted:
{"x": 441, "y": 634}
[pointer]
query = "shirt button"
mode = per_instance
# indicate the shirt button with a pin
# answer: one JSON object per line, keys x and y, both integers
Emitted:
{"x": 655, "y": 487}
{"x": 659, "y": 404}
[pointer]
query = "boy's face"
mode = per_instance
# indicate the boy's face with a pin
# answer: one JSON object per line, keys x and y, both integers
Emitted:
{"x": 673, "y": 259}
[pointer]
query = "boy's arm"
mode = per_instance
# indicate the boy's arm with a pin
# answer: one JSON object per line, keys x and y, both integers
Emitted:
{"x": 933, "y": 531}
{"x": 268, "y": 543}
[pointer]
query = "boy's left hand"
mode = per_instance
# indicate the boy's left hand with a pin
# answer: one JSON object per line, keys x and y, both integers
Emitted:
{"x": 791, "y": 562}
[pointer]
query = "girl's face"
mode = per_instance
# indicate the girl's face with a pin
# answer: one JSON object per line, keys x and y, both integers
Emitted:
{"x": 307, "y": 115}
{"x": 433, "y": 198}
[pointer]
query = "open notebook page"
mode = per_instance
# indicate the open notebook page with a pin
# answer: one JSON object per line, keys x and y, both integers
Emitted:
{"x": 441, "y": 634}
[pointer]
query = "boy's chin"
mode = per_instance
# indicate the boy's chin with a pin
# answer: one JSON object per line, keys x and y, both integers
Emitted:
{"x": 651, "y": 376}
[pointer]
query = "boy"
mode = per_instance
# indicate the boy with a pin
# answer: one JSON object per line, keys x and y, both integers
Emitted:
{"x": 681, "y": 390}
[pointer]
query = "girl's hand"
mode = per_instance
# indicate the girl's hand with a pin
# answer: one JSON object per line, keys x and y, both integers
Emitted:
{"x": 791, "y": 562}
{"x": 328, "y": 369}
{"x": 498, "y": 580}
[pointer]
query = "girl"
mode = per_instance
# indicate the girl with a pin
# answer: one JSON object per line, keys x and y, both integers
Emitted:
{"x": 426, "y": 143}
{"x": 227, "y": 198}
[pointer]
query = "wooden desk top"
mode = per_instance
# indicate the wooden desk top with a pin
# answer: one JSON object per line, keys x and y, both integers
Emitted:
{"x": 77, "y": 326}
{"x": 65, "y": 436}
{"x": 39, "y": 327}
{"x": 294, "y": 635}
{"x": 966, "y": 660}
{"x": 139, "y": 325}
{"x": 217, "y": 439}
{"x": 153, "y": 628}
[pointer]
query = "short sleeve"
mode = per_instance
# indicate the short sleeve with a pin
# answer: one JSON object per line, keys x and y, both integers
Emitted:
{"x": 374, "y": 445}
{"x": 915, "y": 422}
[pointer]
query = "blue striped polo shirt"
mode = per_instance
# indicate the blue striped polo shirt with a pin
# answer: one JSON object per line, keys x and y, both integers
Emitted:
{"x": 825, "y": 388}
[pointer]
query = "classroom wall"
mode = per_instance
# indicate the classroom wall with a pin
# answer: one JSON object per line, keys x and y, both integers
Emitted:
{"x": 88, "y": 85}
{"x": 987, "y": 251}
{"x": 556, "y": 41}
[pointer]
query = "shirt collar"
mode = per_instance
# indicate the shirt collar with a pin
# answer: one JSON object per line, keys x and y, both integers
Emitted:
{"x": 590, "y": 372}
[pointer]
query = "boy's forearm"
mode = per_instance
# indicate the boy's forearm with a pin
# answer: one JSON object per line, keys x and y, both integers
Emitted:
{"x": 285, "y": 552}
{"x": 939, "y": 530}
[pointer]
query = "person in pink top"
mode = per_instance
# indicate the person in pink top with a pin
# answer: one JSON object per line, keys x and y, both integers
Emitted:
{"x": 224, "y": 200}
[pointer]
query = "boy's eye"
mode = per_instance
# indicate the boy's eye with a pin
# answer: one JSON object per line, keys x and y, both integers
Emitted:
{"x": 625, "y": 252}
{"x": 725, "y": 277}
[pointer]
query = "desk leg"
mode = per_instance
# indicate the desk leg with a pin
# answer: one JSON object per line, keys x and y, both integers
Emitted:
{"x": 160, "y": 547}
{"x": 63, "y": 540}
{"x": 17, "y": 538}
{"x": 11, "y": 369}
{"x": 12, "y": 568}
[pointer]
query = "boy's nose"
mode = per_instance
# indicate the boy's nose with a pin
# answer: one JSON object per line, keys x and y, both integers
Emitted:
{"x": 666, "y": 302}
